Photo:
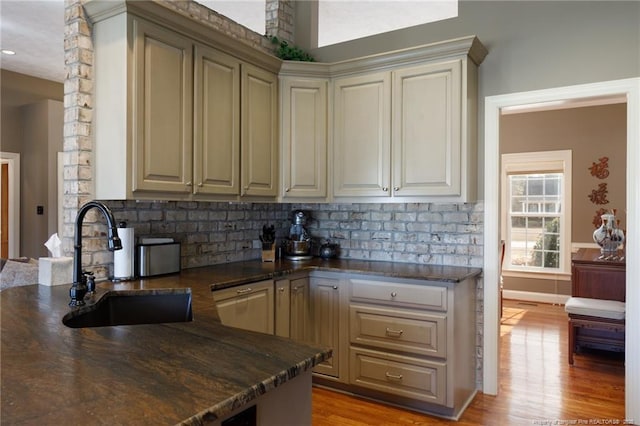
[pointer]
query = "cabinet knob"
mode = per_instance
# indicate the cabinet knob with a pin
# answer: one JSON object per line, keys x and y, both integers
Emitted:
{"x": 287, "y": 189}
{"x": 335, "y": 287}
{"x": 189, "y": 183}
{"x": 396, "y": 188}
{"x": 385, "y": 188}
{"x": 200, "y": 184}
{"x": 393, "y": 376}
{"x": 246, "y": 188}
{"x": 394, "y": 294}
{"x": 281, "y": 289}
{"x": 393, "y": 333}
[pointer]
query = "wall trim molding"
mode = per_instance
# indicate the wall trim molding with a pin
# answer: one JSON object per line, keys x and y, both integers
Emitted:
{"x": 534, "y": 296}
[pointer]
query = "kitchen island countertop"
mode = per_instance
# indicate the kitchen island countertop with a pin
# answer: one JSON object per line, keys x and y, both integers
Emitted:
{"x": 173, "y": 373}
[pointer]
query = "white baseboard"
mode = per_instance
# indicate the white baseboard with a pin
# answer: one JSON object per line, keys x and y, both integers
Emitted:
{"x": 531, "y": 296}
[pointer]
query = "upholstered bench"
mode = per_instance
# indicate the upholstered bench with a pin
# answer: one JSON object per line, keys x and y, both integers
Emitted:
{"x": 596, "y": 315}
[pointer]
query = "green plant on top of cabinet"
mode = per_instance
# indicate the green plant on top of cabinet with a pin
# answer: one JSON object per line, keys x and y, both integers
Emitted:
{"x": 177, "y": 118}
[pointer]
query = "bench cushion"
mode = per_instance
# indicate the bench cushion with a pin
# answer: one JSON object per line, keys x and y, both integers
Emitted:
{"x": 611, "y": 309}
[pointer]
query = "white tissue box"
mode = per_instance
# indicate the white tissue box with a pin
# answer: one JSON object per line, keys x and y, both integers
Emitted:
{"x": 55, "y": 270}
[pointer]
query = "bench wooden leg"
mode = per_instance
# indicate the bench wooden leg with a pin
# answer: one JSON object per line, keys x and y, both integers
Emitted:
{"x": 572, "y": 343}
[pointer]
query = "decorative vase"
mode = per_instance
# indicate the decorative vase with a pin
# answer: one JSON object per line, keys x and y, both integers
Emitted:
{"x": 609, "y": 236}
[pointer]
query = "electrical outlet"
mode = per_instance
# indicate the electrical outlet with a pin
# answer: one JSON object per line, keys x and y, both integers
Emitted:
{"x": 39, "y": 209}
{"x": 256, "y": 244}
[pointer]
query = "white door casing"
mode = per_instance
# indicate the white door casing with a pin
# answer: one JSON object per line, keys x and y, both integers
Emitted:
{"x": 630, "y": 88}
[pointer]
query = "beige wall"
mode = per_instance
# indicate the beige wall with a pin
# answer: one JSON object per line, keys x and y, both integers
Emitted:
{"x": 32, "y": 120}
{"x": 590, "y": 133}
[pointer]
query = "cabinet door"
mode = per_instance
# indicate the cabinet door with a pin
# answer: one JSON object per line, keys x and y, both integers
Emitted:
{"x": 283, "y": 307}
{"x": 325, "y": 318}
{"x": 259, "y": 162}
{"x": 216, "y": 159}
{"x": 304, "y": 138}
{"x": 362, "y": 121}
{"x": 427, "y": 130}
{"x": 299, "y": 319}
{"x": 162, "y": 114}
{"x": 249, "y": 306}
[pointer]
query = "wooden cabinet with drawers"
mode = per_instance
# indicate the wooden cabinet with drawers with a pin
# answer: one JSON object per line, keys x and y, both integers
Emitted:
{"x": 413, "y": 342}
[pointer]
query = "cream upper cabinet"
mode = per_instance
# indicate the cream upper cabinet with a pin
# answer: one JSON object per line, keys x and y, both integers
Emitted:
{"x": 216, "y": 160}
{"x": 362, "y": 120}
{"x": 181, "y": 112}
{"x": 303, "y": 136}
{"x": 404, "y": 124}
{"x": 162, "y": 138}
{"x": 259, "y": 140}
{"x": 399, "y": 133}
{"x": 427, "y": 128}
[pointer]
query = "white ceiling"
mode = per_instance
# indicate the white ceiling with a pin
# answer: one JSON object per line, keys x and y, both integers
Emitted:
{"x": 34, "y": 29}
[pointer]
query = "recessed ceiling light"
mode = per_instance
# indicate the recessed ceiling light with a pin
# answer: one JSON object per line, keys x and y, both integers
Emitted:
{"x": 7, "y": 52}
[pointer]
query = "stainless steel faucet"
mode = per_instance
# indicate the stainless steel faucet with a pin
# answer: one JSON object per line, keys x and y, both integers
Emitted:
{"x": 79, "y": 288}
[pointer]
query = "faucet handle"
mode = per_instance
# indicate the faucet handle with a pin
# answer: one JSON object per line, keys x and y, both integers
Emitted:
{"x": 90, "y": 280}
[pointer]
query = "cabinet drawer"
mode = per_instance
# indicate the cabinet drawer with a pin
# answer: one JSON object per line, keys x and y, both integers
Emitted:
{"x": 398, "y": 375}
{"x": 399, "y": 330}
{"x": 396, "y": 294}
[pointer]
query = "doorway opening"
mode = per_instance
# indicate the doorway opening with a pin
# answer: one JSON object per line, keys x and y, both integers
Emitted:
{"x": 630, "y": 89}
{"x": 10, "y": 204}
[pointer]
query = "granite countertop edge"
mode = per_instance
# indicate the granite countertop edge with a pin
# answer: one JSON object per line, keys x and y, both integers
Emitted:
{"x": 439, "y": 273}
{"x": 245, "y": 397}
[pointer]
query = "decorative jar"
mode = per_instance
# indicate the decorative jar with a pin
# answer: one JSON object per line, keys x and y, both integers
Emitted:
{"x": 608, "y": 236}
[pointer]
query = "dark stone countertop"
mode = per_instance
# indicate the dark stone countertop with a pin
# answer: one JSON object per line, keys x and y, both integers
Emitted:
{"x": 157, "y": 373}
{"x": 136, "y": 374}
{"x": 231, "y": 274}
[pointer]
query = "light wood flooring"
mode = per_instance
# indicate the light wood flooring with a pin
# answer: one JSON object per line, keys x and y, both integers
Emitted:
{"x": 536, "y": 384}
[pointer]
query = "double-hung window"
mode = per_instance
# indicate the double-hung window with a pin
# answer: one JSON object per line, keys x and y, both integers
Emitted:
{"x": 536, "y": 213}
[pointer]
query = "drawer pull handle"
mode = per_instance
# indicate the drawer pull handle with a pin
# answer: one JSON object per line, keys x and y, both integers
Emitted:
{"x": 393, "y": 376}
{"x": 395, "y": 333}
{"x": 394, "y": 294}
{"x": 244, "y": 291}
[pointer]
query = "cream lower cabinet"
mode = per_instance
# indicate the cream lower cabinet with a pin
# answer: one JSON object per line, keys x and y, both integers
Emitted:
{"x": 249, "y": 306}
{"x": 292, "y": 308}
{"x": 413, "y": 342}
{"x": 327, "y": 324}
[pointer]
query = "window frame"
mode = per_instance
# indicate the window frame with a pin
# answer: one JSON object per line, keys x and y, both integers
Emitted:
{"x": 530, "y": 163}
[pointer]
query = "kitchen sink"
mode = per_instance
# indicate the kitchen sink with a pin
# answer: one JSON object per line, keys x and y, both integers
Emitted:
{"x": 129, "y": 307}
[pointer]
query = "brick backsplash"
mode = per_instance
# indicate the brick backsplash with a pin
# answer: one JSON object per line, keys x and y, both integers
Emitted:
{"x": 213, "y": 233}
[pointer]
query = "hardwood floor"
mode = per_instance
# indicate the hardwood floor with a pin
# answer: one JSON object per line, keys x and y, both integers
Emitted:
{"x": 536, "y": 382}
